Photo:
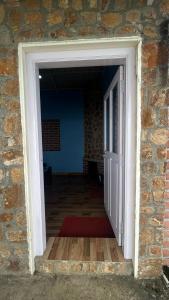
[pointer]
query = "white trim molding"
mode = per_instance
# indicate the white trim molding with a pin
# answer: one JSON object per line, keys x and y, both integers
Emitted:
{"x": 78, "y": 53}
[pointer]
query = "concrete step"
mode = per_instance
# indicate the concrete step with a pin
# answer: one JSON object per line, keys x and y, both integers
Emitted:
{"x": 83, "y": 267}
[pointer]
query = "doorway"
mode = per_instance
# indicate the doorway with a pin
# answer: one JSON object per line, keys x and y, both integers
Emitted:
{"x": 72, "y": 114}
{"x": 81, "y": 54}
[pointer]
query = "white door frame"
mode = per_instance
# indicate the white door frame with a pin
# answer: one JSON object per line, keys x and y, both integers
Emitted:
{"x": 80, "y": 53}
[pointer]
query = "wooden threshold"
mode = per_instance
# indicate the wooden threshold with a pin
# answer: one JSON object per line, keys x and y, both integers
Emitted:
{"x": 83, "y": 249}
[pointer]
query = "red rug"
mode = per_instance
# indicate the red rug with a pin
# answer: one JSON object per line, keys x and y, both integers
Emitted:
{"x": 86, "y": 227}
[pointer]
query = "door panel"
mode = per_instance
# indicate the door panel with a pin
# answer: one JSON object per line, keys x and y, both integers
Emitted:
{"x": 114, "y": 192}
{"x": 106, "y": 186}
{"x": 113, "y": 153}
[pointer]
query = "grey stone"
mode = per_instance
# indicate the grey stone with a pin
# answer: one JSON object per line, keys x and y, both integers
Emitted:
{"x": 5, "y": 38}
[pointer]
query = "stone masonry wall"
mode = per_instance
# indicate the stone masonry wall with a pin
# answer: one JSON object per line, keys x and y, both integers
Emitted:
{"x": 35, "y": 20}
{"x": 165, "y": 250}
{"x": 93, "y": 124}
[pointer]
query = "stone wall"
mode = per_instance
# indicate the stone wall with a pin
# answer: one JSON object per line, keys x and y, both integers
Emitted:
{"x": 93, "y": 124}
{"x": 30, "y": 20}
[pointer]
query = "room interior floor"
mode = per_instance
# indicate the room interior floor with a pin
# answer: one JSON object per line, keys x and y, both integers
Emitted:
{"x": 76, "y": 196}
{"x": 71, "y": 196}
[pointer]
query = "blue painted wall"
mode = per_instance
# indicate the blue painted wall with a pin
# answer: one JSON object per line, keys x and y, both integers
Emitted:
{"x": 68, "y": 107}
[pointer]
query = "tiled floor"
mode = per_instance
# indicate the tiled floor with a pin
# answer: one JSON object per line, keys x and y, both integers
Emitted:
{"x": 71, "y": 195}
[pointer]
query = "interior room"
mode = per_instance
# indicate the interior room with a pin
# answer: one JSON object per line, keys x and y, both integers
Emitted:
{"x": 72, "y": 114}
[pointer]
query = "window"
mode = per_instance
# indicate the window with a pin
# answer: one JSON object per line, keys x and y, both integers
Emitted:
{"x": 115, "y": 119}
{"x": 51, "y": 135}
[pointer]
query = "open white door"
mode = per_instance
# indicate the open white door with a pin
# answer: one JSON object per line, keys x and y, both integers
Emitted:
{"x": 114, "y": 153}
